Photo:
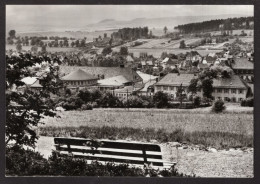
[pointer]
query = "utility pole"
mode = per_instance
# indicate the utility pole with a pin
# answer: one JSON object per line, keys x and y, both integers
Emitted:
{"x": 127, "y": 99}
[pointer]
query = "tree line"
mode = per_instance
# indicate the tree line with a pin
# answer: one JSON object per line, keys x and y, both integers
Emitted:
{"x": 216, "y": 25}
{"x": 131, "y": 33}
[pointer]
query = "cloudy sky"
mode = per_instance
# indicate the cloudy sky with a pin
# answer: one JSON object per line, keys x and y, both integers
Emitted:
{"x": 60, "y": 15}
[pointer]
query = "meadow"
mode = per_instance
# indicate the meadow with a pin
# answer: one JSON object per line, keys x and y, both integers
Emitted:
{"x": 229, "y": 129}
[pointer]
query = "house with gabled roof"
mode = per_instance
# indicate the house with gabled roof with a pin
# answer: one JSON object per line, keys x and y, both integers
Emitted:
{"x": 228, "y": 89}
{"x": 244, "y": 68}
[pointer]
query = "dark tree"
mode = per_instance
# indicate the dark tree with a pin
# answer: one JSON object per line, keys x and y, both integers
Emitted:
{"x": 207, "y": 87}
{"x": 165, "y": 29}
{"x": 44, "y": 49}
{"x": 182, "y": 45}
{"x": 19, "y": 47}
{"x": 161, "y": 99}
{"x": 106, "y": 50}
{"x": 25, "y": 110}
{"x": 12, "y": 34}
{"x": 193, "y": 87}
{"x": 124, "y": 51}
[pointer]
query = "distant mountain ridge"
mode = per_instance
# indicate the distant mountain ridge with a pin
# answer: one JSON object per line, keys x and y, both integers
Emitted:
{"x": 108, "y": 24}
{"x": 170, "y": 22}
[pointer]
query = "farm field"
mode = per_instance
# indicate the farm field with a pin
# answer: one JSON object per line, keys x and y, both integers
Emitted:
{"x": 162, "y": 43}
{"x": 157, "y": 52}
{"x": 236, "y": 32}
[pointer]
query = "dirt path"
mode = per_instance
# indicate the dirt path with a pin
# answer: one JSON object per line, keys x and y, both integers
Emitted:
{"x": 233, "y": 163}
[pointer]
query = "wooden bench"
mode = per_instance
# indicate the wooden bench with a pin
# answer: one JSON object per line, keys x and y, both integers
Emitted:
{"x": 133, "y": 153}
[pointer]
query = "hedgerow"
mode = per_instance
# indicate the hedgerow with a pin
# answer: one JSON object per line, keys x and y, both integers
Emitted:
{"x": 21, "y": 162}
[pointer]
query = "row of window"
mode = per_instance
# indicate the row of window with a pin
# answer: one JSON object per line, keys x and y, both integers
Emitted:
{"x": 121, "y": 94}
{"x": 218, "y": 90}
{"x": 233, "y": 91}
{"x": 82, "y": 82}
{"x": 166, "y": 88}
{"x": 240, "y": 71}
{"x": 227, "y": 99}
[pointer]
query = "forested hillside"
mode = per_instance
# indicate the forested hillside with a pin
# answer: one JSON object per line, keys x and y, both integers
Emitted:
{"x": 217, "y": 25}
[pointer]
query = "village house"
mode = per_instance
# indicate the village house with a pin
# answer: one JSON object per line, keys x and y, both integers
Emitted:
{"x": 148, "y": 88}
{"x": 112, "y": 83}
{"x": 125, "y": 92}
{"x": 110, "y": 78}
{"x": 228, "y": 89}
{"x": 243, "y": 68}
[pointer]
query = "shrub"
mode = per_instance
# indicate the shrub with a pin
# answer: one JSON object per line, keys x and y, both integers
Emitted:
{"x": 196, "y": 101}
{"x": 21, "y": 162}
{"x": 86, "y": 107}
{"x": 249, "y": 102}
{"x": 25, "y": 162}
{"x": 161, "y": 99}
{"x": 218, "y": 106}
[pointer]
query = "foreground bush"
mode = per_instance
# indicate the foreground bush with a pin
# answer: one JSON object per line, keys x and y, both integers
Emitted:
{"x": 249, "y": 102}
{"x": 21, "y": 162}
{"x": 218, "y": 106}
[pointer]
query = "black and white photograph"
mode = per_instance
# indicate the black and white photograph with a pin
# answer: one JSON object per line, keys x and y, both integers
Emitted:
{"x": 129, "y": 90}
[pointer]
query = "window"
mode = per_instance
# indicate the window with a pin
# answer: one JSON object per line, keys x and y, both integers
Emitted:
{"x": 234, "y": 91}
{"x": 213, "y": 98}
{"x": 219, "y": 90}
{"x": 241, "y": 91}
{"x": 240, "y": 99}
{"x": 158, "y": 88}
{"x": 227, "y": 99}
{"x": 165, "y": 87}
{"x": 226, "y": 90}
{"x": 172, "y": 88}
{"x": 219, "y": 98}
{"x": 233, "y": 99}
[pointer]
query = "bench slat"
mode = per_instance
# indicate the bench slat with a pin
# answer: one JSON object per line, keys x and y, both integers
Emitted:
{"x": 104, "y": 152}
{"x": 109, "y": 159}
{"x": 109, "y": 144}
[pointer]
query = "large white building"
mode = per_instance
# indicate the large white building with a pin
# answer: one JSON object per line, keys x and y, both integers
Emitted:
{"x": 228, "y": 89}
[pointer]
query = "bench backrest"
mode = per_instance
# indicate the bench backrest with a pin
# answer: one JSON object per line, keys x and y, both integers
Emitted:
{"x": 111, "y": 151}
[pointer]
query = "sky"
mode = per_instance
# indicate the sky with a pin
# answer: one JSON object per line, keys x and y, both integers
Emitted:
{"x": 61, "y": 15}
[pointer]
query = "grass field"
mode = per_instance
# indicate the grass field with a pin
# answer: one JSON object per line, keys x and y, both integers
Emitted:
{"x": 230, "y": 129}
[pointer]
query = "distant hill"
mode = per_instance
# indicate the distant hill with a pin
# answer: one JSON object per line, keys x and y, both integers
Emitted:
{"x": 170, "y": 22}
{"x": 217, "y": 25}
{"x": 107, "y": 24}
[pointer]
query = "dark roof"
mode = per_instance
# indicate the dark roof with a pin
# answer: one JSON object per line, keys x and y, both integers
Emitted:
{"x": 233, "y": 82}
{"x": 173, "y": 79}
{"x": 106, "y": 71}
{"x": 78, "y": 75}
{"x": 242, "y": 63}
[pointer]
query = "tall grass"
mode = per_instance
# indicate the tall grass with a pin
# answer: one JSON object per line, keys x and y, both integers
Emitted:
{"x": 198, "y": 126}
{"x": 169, "y": 120}
{"x": 219, "y": 140}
